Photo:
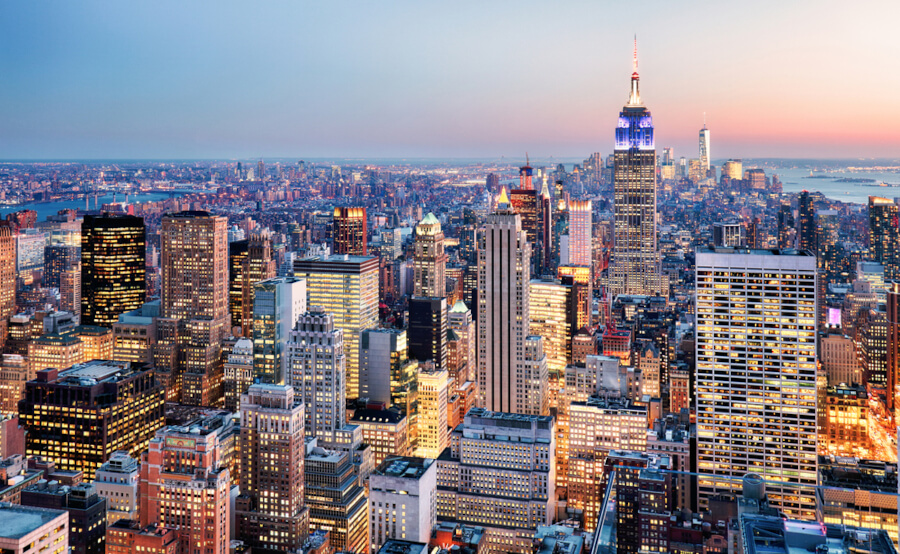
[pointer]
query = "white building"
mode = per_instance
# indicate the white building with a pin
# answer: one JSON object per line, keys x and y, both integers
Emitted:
{"x": 756, "y": 374}
{"x": 501, "y": 475}
{"x": 316, "y": 362}
{"x": 118, "y": 481}
{"x": 402, "y": 500}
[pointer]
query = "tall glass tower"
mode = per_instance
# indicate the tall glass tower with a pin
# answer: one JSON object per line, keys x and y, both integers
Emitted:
{"x": 635, "y": 264}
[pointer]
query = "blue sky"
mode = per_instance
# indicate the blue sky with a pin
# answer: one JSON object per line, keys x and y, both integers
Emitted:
{"x": 457, "y": 79}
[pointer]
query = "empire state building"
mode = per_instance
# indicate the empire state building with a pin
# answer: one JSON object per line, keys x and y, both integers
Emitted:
{"x": 635, "y": 264}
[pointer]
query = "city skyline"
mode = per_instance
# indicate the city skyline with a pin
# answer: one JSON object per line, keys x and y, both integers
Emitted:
{"x": 406, "y": 80}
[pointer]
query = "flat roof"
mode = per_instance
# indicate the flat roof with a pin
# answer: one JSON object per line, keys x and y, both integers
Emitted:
{"x": 18, "y": 521}
{"x": 407, "y": 467}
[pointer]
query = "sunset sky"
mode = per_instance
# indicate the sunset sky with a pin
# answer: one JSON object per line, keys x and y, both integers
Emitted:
{"x": 226, "y": 79}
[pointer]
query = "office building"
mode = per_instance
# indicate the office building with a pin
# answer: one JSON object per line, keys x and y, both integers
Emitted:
{"x": 270, "y": 509}
{"x": 134, "y": 335}
{"x": 634, "y": 268}
{"x": 893, "y": 348}
{"x": 194, "y": 267}
{"x": 7, "y": 277}
{"x": 27, "y": 529}
{"x": 388, "y": 375}
{"x": 185, "y": 486}
{"x": 277, "y": 303}
{"x": 346, "y": 287}
{"x": 315, "y": 354}
{"x": 117, "y": 480}
{"x": 500, "y": 474}
{"x": 859, "y": 493}
{"x": 336, "y": 499}
{"x": 385, "y": 430}
{"x": 402, "y": 501}
{"x": 238, "y": 373}
{"x": 14, "y": 373}
{"x": 427, "y": 330}
{"x": 70, "y": 290}
{"x": 884, "y": 237}
{"x": 580, "y": 234}
{"x": 430, "y": 259}
{"x": 837, "y": 352}
{"x": 129, "y": 537}
{"x": 774, "y": 534}
{"x": 113, "y": 267}
{"x": 642, "y": 485}
{"x": 350, "y": 232}
{"x": 704, "y": 151}
{"x": 249, "y": 262}
{"x": 59, "y": 258}
{"x": 552, "y": 316}
{"x": 78, "y": 418}
{"x": 535, "y": 393}
{"x": 806, "y": 222}
{"x": 785, "y": 226}
{"x": 431, "y": 428}
{"x": 597, "y": 427}
{"x": 504, "y": 272}
{"x": 846, "y": 419}
{"x": 756, "y": 384}
{"x": 731, "y": 169}
{"x": 460, "y": 321}
{"x": 87, "y": 512}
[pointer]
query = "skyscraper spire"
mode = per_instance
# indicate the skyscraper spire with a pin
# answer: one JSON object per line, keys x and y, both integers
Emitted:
{"x": 635, "y": 98}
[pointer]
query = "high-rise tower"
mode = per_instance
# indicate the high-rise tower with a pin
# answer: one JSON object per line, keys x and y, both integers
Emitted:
{"x": 755, "y": 381}
{"x": 504, "y": 273}
{"x": 113, "y": 272}
{"x": 350, "y": 231}
{"x": 884, "y": 236}
{"x": 7, "y": 277}
{"x": 806, "y": 222}
{"x": 431, "y": 261}
{"x": 635, "y": 264}
{"x": 194, "y": 306}
{"x": 704, "y": 149}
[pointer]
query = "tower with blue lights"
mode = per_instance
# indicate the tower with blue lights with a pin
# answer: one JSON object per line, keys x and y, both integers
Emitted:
{"x": 635, "y": 264}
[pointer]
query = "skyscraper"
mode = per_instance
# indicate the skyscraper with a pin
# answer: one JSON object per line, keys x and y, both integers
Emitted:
{"x": 635, "y": 262}
{"x": 316, "y": 369}
{"x": 350, "y": 231}
{"x": 806, "y": 222}
{"x": 786, "y": 230}
{"x": 270, "y": 509}
{"x": 884, "y": 236}
{"x": 7, "y": 277}
{"x": 185, "y": 485}
{"x": 433, "y": 436}
{"x": 79, "y": 417}
{"x": 347, "y": 288}
{"x": 113, "y": 267}
{"x": 504, "y": 272}
{"x": 277, "y": 303}
{"x": 704, "y": 150}
{"x": 249, "y": 262}
{"x": 427, "y": 331}
{"x": 756, "y": 381}
{"x": 194, "y": 305}
{"x": 430, "y": 259}
{"x": 194, "y": 266}
{"x": 893, "y": 349}
{"x": 580, "y": 233}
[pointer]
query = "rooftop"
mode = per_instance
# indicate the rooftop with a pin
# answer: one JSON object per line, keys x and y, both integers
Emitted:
{"x": 406, "y": 467}
{"x": 18, "y": 521}
{"x": 755, "y": 251}
{"x": 762, "y": 534}
{"x": 402, "y": 547}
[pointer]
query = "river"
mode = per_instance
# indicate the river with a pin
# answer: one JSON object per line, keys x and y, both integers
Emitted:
{"x": 45, "y": 209}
